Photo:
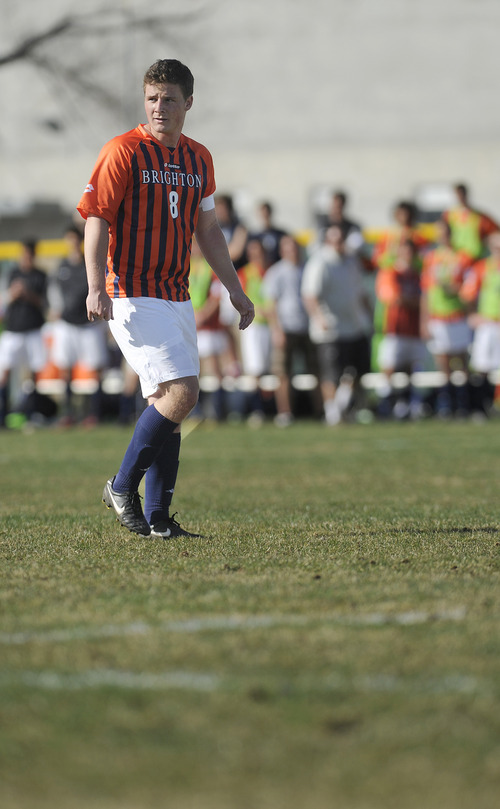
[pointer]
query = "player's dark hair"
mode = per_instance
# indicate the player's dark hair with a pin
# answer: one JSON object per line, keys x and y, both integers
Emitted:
{"x": 30, "y": 244}
{"x": 227, "y": 200}
{"x": 409, "y": 209}
{"x": 341, "y": 195}
{"x": 267, "y": 206}
{"x": 462, "y": 188}
{"x": 170, "y": 71}
{"x": 75, "y": 230}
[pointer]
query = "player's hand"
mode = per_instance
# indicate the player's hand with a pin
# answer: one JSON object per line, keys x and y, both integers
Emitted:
{"x": 244, "y": 306}
{"x": 99, "y": 306}
{"x": 17, "y": 289}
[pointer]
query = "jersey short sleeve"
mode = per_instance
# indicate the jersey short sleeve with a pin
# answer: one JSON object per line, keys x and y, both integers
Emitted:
{"x": 108, "y": 184}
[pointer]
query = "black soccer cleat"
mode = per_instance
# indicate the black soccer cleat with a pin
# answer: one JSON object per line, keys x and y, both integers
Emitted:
{"x": 127, "y": 507}
{"x": 170, "y": 528}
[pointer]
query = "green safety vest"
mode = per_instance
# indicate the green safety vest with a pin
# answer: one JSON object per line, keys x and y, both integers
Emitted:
{"x": 442, "y": 300}
{"x": 489, "y": 296}
{"x": 466, "y": 231}
{"x": 252, "y": 281}
{"x": 200, "y": 281}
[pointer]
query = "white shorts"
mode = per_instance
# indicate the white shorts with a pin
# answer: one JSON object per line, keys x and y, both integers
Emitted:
{"x": 255, "y": 345}
{"x": 22, "y": 348}
{"x": 449, "y": 337}
{"x": 157, "y": 338}
{"x": 212, "y": 343}
{"x": 398, "y": 353}
{"x": 85, "y": 343}
{"x": 485, "y": 352}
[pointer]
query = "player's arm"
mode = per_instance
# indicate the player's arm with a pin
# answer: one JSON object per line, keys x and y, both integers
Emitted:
{"x": 214, "y": 248}
{"x": 99, "y": 304}
{"x": 469, "y": 293}
{"x": 310, "y": 291}
{"x": 312, "y": 305}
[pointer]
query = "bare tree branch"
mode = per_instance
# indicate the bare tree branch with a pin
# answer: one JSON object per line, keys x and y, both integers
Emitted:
{"x": 26, "y": 48}
{"x": 69, "y": 55}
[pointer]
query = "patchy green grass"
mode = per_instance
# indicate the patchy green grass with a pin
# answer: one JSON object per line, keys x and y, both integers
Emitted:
{"x": 332, "y": 641}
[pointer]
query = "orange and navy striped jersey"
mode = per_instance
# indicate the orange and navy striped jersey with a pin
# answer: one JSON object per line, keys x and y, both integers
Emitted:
{"x": 150, "y": 196}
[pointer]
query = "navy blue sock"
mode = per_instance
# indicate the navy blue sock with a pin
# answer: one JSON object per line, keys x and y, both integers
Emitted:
{"x": 160, "y": 480}
{"x": 151, "y": 431}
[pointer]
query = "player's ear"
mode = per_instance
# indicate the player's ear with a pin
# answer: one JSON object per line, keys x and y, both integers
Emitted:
{"x": 189, "y": 103}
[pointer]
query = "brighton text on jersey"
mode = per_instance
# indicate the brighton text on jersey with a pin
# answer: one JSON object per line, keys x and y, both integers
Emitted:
{"x": 178, "y": 178}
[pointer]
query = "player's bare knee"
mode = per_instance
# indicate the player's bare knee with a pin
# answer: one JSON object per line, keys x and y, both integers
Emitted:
{"x": 191, "y": 393}
{"x": 177, "y": 398}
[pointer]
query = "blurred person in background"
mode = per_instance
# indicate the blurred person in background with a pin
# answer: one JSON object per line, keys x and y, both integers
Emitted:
{"x": 351, "y": 231}
{"x": 444, "y": 320}
{"x": 340, "y": 321}
{"x": 385, "y": 252}
{"x": 481, "y": 293}
{"x": 405, "y": 229}
{"x": 21, "y": 343}
{"x": 75, "y": 340}
{"x": 236, "y": 236}
{"x": 401, "y": 348}
{"x": 214, "y": 344}
{"x": 255, "y": 342}
{"x": 268, "y": 233}
{"x": 292, "y": 349}
{"x": 469, "y": 227}
{"x": 235, "y": 232}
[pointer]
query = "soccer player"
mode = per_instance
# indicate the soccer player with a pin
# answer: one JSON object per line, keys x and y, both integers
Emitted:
{"x": 340, "y": 319}
{"x": 21, "y": 342}
{"x": 213, "y": 337}
{"x": 481, "y": 291}
{"x": 151, "y": 190}
{"x": 255, "y": 343}
{"x": 469, "y": 227}
{"x": 269, "y": 234}
{"x": 351, "y": 231}
{"x": 443, "y": 318}
{"x": 401, "y": 348}
{"x": 405, "y": 228}
{"x": 292, "y": 346}
{"x": 75, "y": 340}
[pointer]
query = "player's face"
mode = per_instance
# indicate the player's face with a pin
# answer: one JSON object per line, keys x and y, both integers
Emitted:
{"x": 289, "y": 249}
{"x": 166, "y": 109}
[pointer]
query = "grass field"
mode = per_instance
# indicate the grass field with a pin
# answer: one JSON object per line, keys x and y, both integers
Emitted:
{"x": 333, "y": 641}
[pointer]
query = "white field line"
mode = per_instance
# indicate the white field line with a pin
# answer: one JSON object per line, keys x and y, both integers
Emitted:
{"x": 454, "y": 683}
{"x": 228, "y": 623}
{"x": 99, "y": 678}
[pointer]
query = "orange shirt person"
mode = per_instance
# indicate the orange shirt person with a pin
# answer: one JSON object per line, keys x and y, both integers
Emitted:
{"x": 405, "y": 230}
{"x": 401, "y": 347}
{"x": 150, "y": 192}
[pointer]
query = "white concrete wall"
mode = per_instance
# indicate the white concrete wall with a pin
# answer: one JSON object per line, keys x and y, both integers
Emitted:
{"x": 376, "y": 96}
